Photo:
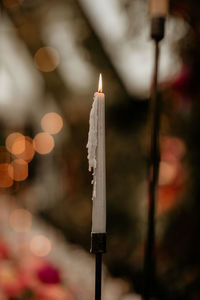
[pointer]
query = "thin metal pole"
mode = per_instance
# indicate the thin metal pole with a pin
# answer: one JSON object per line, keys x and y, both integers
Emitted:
{"x": 149, "y": 263}
{"x": 98, "y": 276}
{"x": 98, "y": 247}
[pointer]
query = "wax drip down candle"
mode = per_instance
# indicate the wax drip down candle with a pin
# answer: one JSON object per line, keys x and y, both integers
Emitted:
{"x": 96, "y": 158}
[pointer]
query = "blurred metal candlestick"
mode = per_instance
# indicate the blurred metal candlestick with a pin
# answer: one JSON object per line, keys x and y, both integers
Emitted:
{"x": 149, "y": 263}
{"x": 158, "y": 11}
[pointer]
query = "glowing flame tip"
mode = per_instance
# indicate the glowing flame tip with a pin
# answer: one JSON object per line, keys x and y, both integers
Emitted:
{"x": 100, "y": 89}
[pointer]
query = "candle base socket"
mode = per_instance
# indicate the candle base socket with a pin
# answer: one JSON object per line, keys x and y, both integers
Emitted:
{"x": 157, "y": 28}
{"x": 98, "y": 243}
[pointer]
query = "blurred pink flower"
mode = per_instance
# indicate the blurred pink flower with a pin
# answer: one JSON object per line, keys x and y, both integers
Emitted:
{"x": 48, "y": 274}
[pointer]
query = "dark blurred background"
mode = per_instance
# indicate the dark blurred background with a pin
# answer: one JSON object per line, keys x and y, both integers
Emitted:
{"x": 51, "y": 54}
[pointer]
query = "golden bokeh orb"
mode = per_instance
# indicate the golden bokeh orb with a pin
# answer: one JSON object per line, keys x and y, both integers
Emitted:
{"x": 52, "y": 123}
{"x": 46, "y": 59}
{"x": 29, "y": 151}
{"x": 18, "y": 170}
{"x": 15, "y": 143}
{"x": 43, "y": 143}
{"x": 40, "y": 245}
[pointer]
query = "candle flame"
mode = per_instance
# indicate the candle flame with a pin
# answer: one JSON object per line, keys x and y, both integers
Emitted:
{"x": 100, "y": 88}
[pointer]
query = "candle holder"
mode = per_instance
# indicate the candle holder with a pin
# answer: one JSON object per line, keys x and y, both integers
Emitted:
{"x": 157, "y": 34}
{"x": 98, "y": 247}
{"x": 98, "y": 243}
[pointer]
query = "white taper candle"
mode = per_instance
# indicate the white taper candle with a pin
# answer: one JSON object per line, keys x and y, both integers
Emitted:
{"x": 96, "y": 157}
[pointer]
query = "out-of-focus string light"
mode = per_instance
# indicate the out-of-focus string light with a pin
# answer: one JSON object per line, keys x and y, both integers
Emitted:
{"x": 18, "y": 146}
{"x": 29, "y": 152}
{"x": 52, "y": 123}
{"x": 20, "y": 220}
{"x": 15, "y": 143}
{"x": 46, "y": 59}
{"x": 5, "y": 180}
{"x": 40, "y": 245}
{"x": 18, "y": 170}
{"x": 43, "y": 143}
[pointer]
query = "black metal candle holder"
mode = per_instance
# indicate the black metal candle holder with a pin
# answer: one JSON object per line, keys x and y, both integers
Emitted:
{"x": 98, "y": 247}
{"x": 157, "y": 34}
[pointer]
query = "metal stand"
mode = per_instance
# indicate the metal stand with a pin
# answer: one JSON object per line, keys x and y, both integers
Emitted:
{"x": 98, "y": 247}
{"x": 98, "y": 276}
{"x": 157, "y": 34}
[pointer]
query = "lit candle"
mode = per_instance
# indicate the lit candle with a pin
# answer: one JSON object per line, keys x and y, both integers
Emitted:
{"x": 96, "y": 158}
{"x": 158, "y": 8}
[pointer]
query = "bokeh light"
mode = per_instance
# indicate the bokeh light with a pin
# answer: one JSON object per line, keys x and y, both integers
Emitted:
{"x": 174, "y": 146}
{"x": 29, "y": 152}
{"x": 20, "y": 220}
{"x": 52, "y": 123}
{"x": 15, "y": 143}
{"x": 18, "y": 146}
{"x": 40, "y": 245}
{"x": 43, "y": 143}
{"x": 167, "y": 172}
{"x": 18, "y": 170}
{"x": 12, "y": 3}
{"x": 46, "y": 59}
{"x": 167, "y": 199}
{"x": 5, "y": 180}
